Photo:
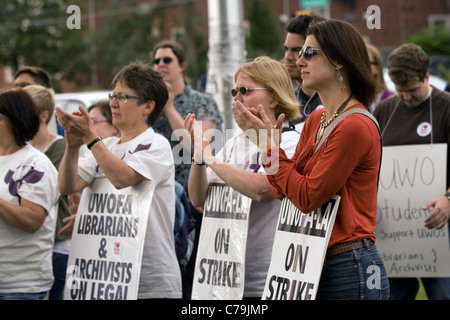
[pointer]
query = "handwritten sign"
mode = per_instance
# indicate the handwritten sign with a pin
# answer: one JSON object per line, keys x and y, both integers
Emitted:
{"x": 220, "y": 265}
{"x": 299, "y": 250}
{"x": 107, "y": 242}
{"x": 410, "y": 177}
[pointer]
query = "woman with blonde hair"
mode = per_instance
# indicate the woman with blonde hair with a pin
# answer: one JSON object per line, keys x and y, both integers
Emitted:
{"x": 263, "y": 82}
{"x": 53, "y": 146}
{"x": 376, "y": 65}
{"x": 267, "y": 71}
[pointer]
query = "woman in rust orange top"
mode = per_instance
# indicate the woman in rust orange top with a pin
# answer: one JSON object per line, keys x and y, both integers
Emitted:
{"x": 335, "y": 63}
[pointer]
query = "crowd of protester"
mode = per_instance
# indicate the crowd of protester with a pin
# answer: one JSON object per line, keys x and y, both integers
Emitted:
{"x": 327, "y": 71}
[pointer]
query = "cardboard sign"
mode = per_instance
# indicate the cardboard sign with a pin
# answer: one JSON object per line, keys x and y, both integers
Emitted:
{"x": 107, "y": 242}
{"x": 299, "y": 250}
{"x": 220, "y": 265}
{"x": 410, "y": 177}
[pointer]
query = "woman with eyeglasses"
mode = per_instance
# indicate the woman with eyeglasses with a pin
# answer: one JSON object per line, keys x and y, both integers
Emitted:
{"x": 266, "y": 83}
{"x": 138, "y": 154}
{"x": 169, "y": 59}
{"x": 100, "y": 113}
{"x": 335, "y": 63}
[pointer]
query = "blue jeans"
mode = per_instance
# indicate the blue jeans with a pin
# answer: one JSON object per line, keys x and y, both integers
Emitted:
{"x": 407, "y": 288}
{"x": 22, "y": 296}
{"x": 355, "y": 275}
{"x": 59, "y": 272}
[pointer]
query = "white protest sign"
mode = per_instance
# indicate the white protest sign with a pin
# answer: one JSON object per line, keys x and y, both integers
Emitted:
{"x": 107, "y": 242}
{"x": 410, "y": 177}
{"x": 299, "y": 250}
{"x": 220, "y": 265}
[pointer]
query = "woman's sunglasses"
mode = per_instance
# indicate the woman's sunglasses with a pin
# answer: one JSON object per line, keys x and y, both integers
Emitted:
{"x": 243, "y": 91}
{"x": 166, "y": 60}
{"x": 307, "y": 53}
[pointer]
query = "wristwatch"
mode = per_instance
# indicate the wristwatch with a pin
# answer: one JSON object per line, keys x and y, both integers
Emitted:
{"x": 447, "y": 194}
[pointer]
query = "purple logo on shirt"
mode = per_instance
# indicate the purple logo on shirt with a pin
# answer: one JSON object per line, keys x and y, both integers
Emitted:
{"x": 255, "y": 165}
{"x": 32, "y": 176}
{"x": 141, "y": 147}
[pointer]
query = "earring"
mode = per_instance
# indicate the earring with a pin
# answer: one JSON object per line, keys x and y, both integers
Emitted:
{"x": 340, "y": 77}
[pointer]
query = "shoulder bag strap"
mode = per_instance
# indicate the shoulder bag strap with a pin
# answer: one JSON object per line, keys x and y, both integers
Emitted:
{"x": 342, "y": 116}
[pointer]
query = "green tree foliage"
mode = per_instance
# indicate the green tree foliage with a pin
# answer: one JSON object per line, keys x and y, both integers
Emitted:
{"x": 195, "y": 44}
{"x": 35, "y": 33}
{"x": 436, "y": 43}
{"x": 265, "y": 37}
{"x": 127, "y": 35}
{"x": 124, "y": 37}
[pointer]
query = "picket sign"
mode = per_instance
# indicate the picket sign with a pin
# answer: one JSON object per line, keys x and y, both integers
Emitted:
{"x": 410, "y": 177}
{"x": 299, "y": 250}
{"x": 107, "y": 242}
{"x": 219, "y": 272}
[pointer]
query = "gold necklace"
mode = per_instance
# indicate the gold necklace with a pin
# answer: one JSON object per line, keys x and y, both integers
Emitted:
{"x": 324, "y": 123}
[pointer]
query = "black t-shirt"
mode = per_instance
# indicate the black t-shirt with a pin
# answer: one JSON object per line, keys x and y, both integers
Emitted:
{"x": 403, "y": 125}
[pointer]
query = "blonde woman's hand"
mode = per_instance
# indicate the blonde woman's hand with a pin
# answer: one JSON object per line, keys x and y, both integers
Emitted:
{"x": 257, "y": 125}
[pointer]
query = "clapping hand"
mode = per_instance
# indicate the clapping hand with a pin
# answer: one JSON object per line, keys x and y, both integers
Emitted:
{"x": 257, "y": 126}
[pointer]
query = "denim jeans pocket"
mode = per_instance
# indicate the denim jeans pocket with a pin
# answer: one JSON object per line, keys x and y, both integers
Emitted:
{"x": 354, "y": 275}
{"x": 375, "y": 283}
{"x": 340, "y": 278}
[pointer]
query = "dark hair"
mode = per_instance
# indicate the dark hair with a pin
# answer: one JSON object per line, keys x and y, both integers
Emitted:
{"x": 175, "y": 47}
{"x": 39, "y": 75}
{"x": 299, "y": 24}
{"x": 148, "y": 84}
{"x": 105, "y": 109}
{"x": 408, "y": 63}
{"x": 23, "y": 114}
{"x": 342, "y": 44}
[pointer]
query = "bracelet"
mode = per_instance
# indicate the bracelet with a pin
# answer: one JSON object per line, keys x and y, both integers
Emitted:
{"x": 197, "y": 163}
{"x": 89, "y": 146}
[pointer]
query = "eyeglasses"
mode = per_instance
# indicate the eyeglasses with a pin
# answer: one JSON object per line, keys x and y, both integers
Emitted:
{"x": 307, "y": 53}
{"x": 121, "y": 98}
{"x": 243, "y": 91}
{"x": 96, "y": 121}
{"x": 166, "y": 60}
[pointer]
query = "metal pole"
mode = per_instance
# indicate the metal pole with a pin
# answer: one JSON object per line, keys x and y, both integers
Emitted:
{"x": 226, "y": 52}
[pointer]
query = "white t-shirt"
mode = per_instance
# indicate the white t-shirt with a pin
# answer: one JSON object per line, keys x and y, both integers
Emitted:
{"x": 240, "y": 152}
{"x": 150, "y": 155}
{"x": 26, "y": 259}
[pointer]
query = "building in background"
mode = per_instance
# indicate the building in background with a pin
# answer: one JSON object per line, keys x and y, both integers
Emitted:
{"x": 187, "y": 21}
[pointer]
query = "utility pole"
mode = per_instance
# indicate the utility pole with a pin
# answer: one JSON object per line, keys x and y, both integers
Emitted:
{"x": 226, "y": 52}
